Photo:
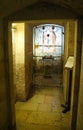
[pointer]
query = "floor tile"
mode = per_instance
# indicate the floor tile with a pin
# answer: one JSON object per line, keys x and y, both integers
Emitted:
{"x": 44, "y": 108}
{"x": 48, "y": 99}
{"x": 44, "y": 118}
{"x": 37, "y": 98}
{"x": 21, "y": 116}
{"x": 56, "y": 108}
{"x": 41, "y": 127}
{"x": 42, "y": 111}
{"x": 28, "y": 106}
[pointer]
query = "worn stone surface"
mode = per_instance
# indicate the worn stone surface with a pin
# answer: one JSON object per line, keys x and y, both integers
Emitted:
{"x": 18, "y": 61}
{"x": 41, "y": 112}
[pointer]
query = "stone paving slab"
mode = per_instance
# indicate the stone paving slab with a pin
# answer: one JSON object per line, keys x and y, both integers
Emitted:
{"x": 38, "y": 127}
{"x": 48, "y": 118}
{"x": 42, "y": 111}
{"x": 21, "y": 115}
{"x": 37, "y": 98}
{"x": 28, "y": 106}
{"x": 44, "y": 108}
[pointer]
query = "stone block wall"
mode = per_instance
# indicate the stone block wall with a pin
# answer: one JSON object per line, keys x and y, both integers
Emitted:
{"x": 3, "y": 87}
{"x": 71, "y": 42}
{"x": 20, "y": 82}
{"x": 76, "y": 105}
{"x": 69, "y": 51}
{"x": 18, "y": 45}
{"x": 80, "y": 100}
{"x": 28, "y": 57}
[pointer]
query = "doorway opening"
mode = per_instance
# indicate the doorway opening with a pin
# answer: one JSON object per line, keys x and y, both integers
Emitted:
{"x": 48, "y": 52}
{"x": 43, "y": 108}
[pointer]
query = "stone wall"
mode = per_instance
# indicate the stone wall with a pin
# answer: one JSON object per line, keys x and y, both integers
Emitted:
{"x": 80, "y": 101}
{"x": 18, "y": 45}
{"x": 3, "y": 87}
{"x": 28, "y": 57}
{"x": 69, "y": 51}
{"x": 76, "y": 76}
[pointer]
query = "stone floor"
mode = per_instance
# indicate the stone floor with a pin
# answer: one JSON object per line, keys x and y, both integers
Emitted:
{"x": 39, "y": 80}
{"x": 42, "y": 111}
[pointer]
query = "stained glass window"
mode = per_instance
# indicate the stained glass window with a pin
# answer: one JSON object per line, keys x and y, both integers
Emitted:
{"x": 47, "y": 40}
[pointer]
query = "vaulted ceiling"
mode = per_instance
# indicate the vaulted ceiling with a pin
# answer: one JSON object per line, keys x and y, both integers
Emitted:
{"x": 10, "y": 6}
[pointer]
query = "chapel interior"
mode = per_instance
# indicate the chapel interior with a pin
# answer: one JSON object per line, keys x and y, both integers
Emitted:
{"x": 41, "y": 65}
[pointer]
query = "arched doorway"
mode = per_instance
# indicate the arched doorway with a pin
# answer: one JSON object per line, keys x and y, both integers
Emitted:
{"x": 48, "y": 47}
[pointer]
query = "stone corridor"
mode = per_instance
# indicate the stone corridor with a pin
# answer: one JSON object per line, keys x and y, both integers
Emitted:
{"x": 42, "y": 111}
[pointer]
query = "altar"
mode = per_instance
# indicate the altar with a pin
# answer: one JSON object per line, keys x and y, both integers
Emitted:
{"x": 48, "y": 64}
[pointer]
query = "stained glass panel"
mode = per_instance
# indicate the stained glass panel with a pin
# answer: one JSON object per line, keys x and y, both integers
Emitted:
{"x": 47, "y": 40}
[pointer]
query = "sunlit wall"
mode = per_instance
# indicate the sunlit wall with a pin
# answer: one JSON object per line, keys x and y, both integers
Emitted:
{"x": 18, "y": 60}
